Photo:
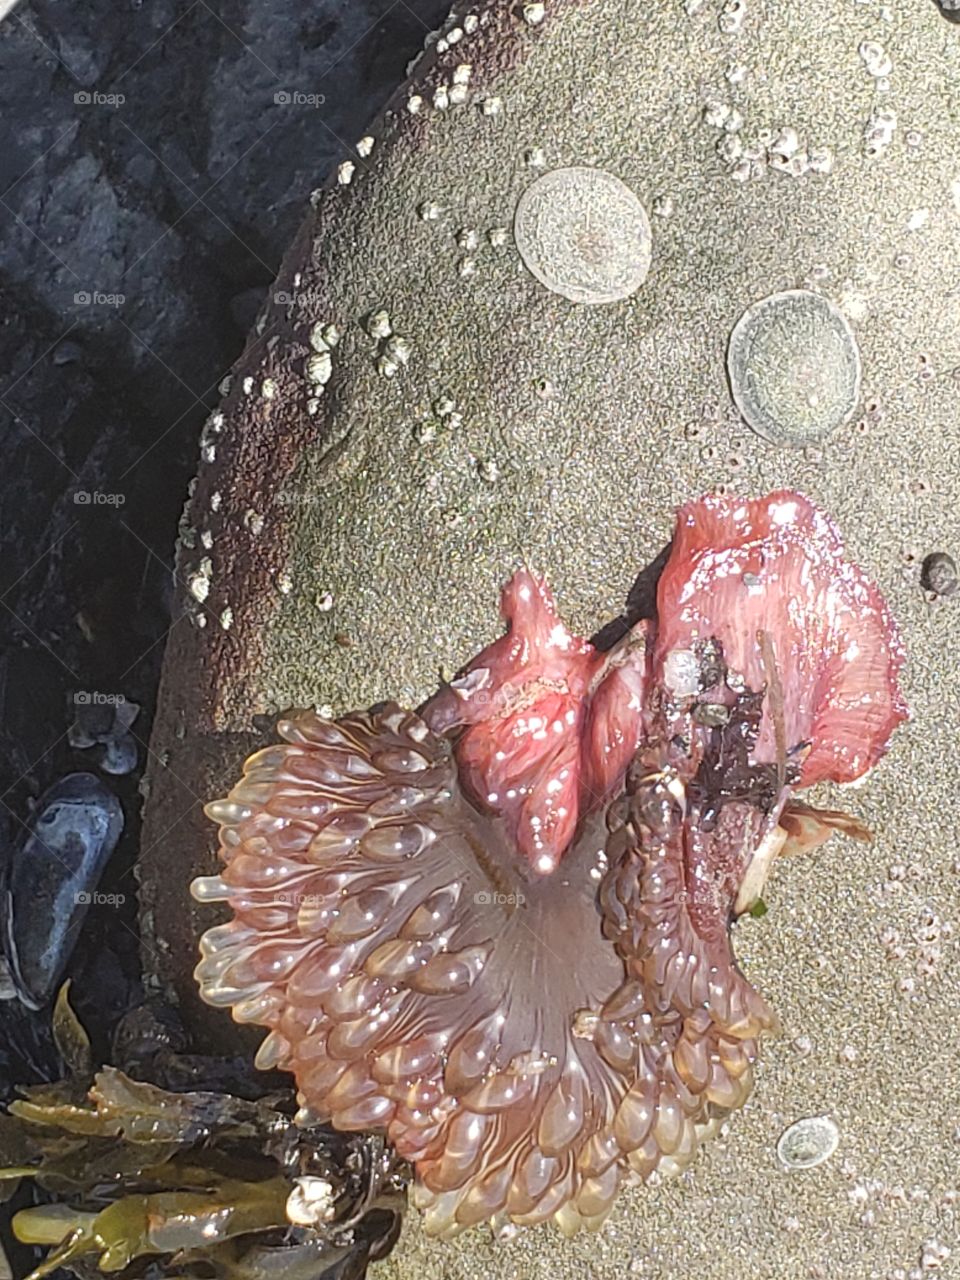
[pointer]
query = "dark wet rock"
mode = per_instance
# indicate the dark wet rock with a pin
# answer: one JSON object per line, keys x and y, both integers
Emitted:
{"x": 67, "y": 352}
{"x": 245, "y": 306}
{"x": 26, "y": 722}
{"x": 111, "y": 398}
{"x": 52, "y": 881}
{"x": 84, "y": 57}
{"x": 150, "y": 1043}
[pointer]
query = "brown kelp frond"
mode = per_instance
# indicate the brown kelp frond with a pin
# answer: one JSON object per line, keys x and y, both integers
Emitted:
{"x": 204, "y": 1183}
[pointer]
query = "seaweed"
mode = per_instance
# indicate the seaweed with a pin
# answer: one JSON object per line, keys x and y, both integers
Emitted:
{"x": 202, "y": 1183}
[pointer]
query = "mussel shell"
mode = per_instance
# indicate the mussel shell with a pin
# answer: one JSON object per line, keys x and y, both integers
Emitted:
{"x": 55, "y": 870}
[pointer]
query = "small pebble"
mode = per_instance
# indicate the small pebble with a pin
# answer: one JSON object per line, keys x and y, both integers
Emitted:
{"x": 711, "y": 714}
{"x": 938, "y": 574}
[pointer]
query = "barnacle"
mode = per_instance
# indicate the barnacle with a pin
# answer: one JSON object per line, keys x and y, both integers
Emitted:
{"x": 497, "y": 929}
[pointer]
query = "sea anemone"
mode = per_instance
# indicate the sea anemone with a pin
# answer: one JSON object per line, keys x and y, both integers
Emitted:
{"x": 498, "y": 930}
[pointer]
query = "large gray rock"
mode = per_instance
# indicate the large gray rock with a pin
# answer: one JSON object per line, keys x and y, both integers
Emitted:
{"x": 346, "y": 539}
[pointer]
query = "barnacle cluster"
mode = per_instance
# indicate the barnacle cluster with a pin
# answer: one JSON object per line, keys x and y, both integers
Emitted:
{"x": 497, "y": 929}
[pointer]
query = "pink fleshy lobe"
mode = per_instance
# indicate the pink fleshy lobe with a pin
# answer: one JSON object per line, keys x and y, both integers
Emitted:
{"x": 771, "y": 574}
{"x": 550, "y": 723}
{"x": 613, "y": 725}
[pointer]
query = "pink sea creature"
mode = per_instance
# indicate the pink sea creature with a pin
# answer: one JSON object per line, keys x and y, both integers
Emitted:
{"x": 499, "y": 929}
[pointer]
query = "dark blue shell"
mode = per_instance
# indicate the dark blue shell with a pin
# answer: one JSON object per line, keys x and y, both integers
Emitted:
{"x": 52, "y": 879}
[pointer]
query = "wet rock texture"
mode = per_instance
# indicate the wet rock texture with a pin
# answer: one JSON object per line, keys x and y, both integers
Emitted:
{"x": 352, "y": 518}
{"x": 147, "y": 193}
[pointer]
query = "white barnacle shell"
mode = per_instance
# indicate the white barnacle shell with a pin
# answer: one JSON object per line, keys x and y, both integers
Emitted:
{"x": 378, "y": 325}
{"x": 319, "y": 368}
{"x": 311, "y": 1202}
{"x": 199, "y": 581}
{"x": 398, "y": 349}
{"x": 317, "y": 338}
